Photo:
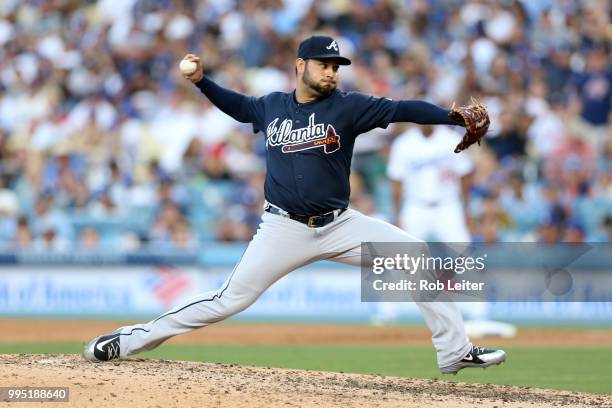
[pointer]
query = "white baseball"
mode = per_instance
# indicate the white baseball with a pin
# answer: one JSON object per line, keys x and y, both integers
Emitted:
{"x": 187, "y": 67}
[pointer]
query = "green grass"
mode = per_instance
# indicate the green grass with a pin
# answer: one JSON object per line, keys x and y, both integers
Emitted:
{"x": 570, "y": 368}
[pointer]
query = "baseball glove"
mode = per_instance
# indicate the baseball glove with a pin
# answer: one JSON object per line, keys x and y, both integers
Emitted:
{"x": 476, "y": 121}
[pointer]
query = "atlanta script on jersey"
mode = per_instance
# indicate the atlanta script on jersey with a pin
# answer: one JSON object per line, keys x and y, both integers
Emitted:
{"x": 308, "y": 137}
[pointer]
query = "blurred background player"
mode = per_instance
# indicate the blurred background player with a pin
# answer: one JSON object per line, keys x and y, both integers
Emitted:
{"x": 431, "y": 196}
{"x": 430, "y": 184}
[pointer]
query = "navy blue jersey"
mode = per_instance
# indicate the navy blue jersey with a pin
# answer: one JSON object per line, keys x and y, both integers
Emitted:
{"x": 310, "y": 145}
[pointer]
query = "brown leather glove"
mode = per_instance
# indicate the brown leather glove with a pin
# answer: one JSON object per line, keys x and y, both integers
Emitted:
{"x": 476, "y": 121}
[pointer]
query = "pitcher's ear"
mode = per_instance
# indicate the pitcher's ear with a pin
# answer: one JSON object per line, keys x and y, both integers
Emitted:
{"x": 300, "y": 65}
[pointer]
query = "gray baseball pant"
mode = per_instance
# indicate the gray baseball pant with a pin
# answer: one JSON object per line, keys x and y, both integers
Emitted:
{"x": 280, "y": 246}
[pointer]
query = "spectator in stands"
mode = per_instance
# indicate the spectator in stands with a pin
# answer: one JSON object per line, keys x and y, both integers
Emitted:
{"x": 491, "y": 221}
{"x": 169, "y": 192}
{"x": 193, "y": 158}
{"x": 572, "y": 162}
{"x": 50, "y": 223}
{"x": 606, "y": 228}
{"x": 547, "y": 130}
{"x": 550, "y": 232}
{"x": 9, "y": 209}
{"x": 89, "y": 239}
{"x": 523, "y": 204}
{"x": 574, "y": 232}
{"x": 23, "y": 237}
{"x": 594, "y": 87}
{"x": 50, "y": 241}
{"x": 215, "y": 167}
{"x": 93, "y": 111}
{"x": 234, "y": 225}
{"x": 511, "y": 139}
{"x": 118, "y": 185}
{"x": 169, "y": 217}
{"x": 182, "y": 237}
{"x": 602, "y": 187}
{"x": 103, "y": 207}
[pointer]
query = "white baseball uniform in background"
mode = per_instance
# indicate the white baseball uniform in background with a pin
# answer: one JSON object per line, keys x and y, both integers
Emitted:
{"x": 430, "y": 174}
{"x": 432, "y": 209}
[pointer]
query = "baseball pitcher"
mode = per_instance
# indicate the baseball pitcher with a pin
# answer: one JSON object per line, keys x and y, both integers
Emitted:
{"x": 310, "y": 134}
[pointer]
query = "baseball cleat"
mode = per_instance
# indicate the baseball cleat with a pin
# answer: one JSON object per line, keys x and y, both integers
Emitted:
{"x": 103, "y": 348}
{"x": 476, "y": 357}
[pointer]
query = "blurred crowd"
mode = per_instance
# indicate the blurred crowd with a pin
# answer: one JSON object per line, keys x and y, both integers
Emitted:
{"x": 104, "y": 146}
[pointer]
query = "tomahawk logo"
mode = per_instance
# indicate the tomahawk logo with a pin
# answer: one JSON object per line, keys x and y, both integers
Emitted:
{"x": 333, "y": 45}
{"x": 330, "y": 144}
{"x": 309, "y": 137}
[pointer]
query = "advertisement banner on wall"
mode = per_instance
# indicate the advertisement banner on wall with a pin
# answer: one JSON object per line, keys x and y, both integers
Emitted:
{"x": 87, "y": 291}
{"x": 318, "y": 294}
{"x": 146, "y": 291}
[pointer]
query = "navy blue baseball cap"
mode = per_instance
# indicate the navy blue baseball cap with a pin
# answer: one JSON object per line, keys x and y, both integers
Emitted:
{"x": 321, "y": 47}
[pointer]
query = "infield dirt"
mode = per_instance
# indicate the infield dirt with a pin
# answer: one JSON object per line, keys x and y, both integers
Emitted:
{"x": 154, "y": 383}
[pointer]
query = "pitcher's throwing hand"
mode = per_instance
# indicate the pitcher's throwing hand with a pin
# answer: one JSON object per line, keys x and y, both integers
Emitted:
{"x": 198, "y": 73}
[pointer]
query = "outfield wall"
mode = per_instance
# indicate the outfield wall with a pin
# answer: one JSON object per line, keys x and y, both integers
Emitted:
{"x": 137, "y": 291}
{"x": 326, "y": 292}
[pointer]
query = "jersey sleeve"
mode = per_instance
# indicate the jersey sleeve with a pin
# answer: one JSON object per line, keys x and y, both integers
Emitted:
{"x": 245, "y": 109}
{"x": 370, "y": 112}
{"x": 255, "y": 106}
{"x": 421, "y": 112}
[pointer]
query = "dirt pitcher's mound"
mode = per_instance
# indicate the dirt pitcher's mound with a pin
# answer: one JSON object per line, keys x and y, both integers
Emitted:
{"x": 153, "y": 383}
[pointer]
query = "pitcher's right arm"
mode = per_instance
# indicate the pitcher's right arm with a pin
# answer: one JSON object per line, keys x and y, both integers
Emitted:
{"x": 245, "y": 109}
